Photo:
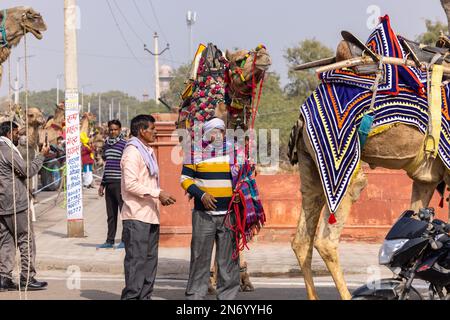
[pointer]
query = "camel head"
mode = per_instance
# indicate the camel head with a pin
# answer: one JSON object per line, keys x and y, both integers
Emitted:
{"x": 21, "y": 20}
{"x": 89, "y": 116}
{"x": 246, "y": 65}
{"x": 35, "y": 118}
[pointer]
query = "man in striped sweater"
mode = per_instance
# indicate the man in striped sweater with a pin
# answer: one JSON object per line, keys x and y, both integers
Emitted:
{"x": 110, "y": 185}
{"x": 209, "y": 182}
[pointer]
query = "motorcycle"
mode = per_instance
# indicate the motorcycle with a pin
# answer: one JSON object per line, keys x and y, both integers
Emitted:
{"x": 416, "y": 247}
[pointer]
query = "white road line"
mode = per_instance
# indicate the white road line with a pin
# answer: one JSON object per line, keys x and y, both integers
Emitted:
{"x": 301, "y": 284}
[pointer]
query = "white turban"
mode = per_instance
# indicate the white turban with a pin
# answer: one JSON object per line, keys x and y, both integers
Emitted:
{"x": 212, "y": 124}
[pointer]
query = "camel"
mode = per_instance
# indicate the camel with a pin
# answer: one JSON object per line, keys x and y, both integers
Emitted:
{"x": 54, "y": 128}
{"x": 396, "y": 148}
{"x": 19, "y": 21}
{"x": 34, "y": 124}
{"x": 244, "y": 68}
{"x": 87, "y": 123}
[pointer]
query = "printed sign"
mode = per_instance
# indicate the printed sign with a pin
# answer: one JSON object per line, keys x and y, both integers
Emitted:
{"x": 73, "y": 158}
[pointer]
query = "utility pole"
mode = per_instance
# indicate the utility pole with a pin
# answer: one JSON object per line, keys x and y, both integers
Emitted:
{"x": 191, "y": 19}
{"x": 128, "y": 118}
{"x": 112, "y": 109}
{"x": 57, "y": 87}
{"x": 156, "y": 54}
{"x": 100, "y": 109}
{"x": 89, "y": 107}
{"x": 110, "y": 112}
{"x": 119, "y": 114}
{"x": 82, "y": 96}
{"x": 75, "y": 222}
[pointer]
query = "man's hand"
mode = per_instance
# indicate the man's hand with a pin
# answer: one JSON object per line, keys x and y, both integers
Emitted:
{"x": 45, "y": 150}
{"x": 209, "y": 202}
{"x": 166, "y": 199}
{"x": 101, "y": 191}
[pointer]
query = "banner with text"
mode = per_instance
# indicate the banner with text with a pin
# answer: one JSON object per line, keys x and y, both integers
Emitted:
{"x": 73, "y": 157}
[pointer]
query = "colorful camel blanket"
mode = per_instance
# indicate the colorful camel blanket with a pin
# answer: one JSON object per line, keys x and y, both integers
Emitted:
{"x": 334, "y": 111}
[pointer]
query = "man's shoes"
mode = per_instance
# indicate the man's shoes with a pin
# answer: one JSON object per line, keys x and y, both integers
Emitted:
{"x": 106, "y": 245}
{"x": 33, "y": 284}
{"x": 121, "y": 245}
{"x": 6, "y": 284}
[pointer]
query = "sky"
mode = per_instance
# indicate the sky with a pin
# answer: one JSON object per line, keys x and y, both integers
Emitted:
{"x": 108, "y": 62}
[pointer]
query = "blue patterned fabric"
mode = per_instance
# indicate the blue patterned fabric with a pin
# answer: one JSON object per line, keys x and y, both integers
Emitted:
{"x": 334, "y": 111}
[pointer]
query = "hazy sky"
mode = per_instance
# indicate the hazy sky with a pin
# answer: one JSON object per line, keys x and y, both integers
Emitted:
{"x": 105, "y": 62}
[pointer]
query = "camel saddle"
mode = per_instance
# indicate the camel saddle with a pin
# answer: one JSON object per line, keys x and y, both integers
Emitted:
{"x": 351, "y": 47}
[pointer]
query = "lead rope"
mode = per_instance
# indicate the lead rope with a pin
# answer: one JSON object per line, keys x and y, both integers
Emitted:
{"x": 14, "y": 184}
{"x": 28, "y": 167}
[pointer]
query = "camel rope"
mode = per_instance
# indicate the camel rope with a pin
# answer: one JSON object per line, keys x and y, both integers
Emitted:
{"x": 28, "y": 167}
{"x": 14, "y": 182}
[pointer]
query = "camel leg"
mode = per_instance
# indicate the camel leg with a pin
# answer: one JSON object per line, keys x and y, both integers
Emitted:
{"x": 313, "y": 201}
{"x": 327, "y": 239}
{"x": 422, "y": 194}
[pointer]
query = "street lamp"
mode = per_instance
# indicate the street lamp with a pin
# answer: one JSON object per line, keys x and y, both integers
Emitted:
{"x": 16, "y": 82}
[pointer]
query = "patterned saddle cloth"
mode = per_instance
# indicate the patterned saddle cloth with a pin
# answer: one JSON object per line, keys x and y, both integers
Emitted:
{"x": 334, "y": 111}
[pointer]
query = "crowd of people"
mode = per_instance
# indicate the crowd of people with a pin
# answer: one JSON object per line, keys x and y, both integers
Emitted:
{"x": 132, "y": 191}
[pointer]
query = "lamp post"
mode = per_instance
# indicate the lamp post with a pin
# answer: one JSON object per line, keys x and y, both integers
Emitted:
{"x": 16, "y": 82}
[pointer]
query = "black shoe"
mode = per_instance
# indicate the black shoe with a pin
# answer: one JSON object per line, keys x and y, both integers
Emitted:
{"x": 6, "y": 284}
{"x": 33, "y": 284}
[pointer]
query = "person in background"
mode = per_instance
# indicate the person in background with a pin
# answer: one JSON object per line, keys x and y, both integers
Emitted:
{"x": 15, "y": 211}
{"x": 110, "y": 186}
{"x": 87, "y": 160}
{"x": 141, "y": 194}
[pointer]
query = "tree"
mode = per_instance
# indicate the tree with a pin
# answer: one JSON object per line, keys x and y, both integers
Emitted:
{"x": 177, "y": 85}
{"x": 434, "y": 29}
{"x": 302, "y": 83}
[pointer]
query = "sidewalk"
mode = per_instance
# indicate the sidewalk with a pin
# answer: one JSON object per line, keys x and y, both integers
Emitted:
{"x": 57, "y": 252}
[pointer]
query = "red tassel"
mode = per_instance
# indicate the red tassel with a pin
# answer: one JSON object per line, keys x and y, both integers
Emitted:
{"x": 441, "y": 203}
{"x": 332, "y": 219}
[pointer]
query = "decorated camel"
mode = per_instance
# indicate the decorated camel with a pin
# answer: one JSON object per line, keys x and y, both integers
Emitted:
{"x": 224, "y": 86}
{"x": 54, "y": 128}
{"x": 395, "y": 138}
{"x": 15, "y": 23}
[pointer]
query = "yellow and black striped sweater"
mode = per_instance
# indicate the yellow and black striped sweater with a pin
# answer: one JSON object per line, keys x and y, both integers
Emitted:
{"x": 212, "y": 176}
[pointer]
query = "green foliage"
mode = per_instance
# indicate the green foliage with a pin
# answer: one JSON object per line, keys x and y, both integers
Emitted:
{"x": 302, "y": 83}
{"x": 177, "y": 85}
{"x": 46, "y": 100}
{"x": 434, "y": 29}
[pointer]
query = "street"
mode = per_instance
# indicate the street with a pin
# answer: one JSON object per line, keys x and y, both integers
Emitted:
{"x": 93, "y": 286}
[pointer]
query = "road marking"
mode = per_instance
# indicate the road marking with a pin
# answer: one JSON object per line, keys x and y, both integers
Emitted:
{"x": 301, "y": 284}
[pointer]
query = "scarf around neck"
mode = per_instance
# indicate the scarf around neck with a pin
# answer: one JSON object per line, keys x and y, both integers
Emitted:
{"x": 113, "y": 141}
{"x": 149, "y": 158}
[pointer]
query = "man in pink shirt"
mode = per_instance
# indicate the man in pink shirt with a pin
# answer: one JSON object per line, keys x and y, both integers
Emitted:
{"x": 141, "y": 195}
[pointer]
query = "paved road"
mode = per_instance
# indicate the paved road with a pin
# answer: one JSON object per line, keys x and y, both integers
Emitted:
{"x": 95, "y": 286}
